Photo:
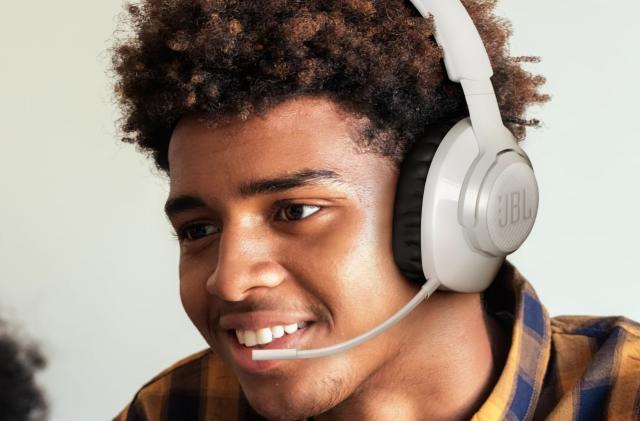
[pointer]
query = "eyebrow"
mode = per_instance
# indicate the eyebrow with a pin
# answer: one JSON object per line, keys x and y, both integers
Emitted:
{"x": 301, "y": 178}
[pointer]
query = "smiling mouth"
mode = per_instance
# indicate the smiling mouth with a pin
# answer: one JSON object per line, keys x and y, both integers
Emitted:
{"x": 266, "y": 335}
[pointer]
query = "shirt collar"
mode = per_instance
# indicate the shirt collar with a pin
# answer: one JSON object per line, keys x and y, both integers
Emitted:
{"x": 513, "y": 300}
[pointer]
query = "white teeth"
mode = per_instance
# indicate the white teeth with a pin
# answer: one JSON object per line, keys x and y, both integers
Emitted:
{"x": 266, "y": 335}
{"x": 250, "y": 338}
{"x": 291, "y": 328}
{"x": 277, "y": 331}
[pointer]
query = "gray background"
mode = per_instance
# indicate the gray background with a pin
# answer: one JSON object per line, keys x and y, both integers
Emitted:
{"x": 88, "y": 265}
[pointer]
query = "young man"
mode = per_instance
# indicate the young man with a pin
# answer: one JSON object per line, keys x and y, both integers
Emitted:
{"x": 282, "y": 126}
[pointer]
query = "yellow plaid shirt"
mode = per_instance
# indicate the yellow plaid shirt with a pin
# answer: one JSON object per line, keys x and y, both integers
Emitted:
{"x": 564, "y": 368}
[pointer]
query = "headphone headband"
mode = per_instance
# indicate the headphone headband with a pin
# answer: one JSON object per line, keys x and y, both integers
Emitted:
{"x": 467, "y": 62}
{"x": 465, "y": 56}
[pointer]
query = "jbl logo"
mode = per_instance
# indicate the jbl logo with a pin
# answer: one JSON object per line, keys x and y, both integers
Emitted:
{"x": 512, "y": 208}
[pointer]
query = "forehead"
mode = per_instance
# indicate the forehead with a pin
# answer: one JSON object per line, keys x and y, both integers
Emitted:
{"x": 298, "y": 134}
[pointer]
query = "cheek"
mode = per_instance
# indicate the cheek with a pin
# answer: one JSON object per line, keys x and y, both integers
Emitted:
{"x": 351, "y": 264}
{"x": 193, "y": 295}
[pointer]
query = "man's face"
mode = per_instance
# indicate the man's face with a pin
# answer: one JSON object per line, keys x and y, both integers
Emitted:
{"x": 284, "y": 221}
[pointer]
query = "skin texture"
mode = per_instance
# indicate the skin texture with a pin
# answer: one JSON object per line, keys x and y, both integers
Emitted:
{"x": 246, "y": 253}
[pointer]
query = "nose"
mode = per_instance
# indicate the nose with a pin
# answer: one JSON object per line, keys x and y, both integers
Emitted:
{"x": 246, "y": 263}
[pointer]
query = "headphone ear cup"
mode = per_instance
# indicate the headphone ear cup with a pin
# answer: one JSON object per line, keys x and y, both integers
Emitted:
{"x": 408, "y": 201}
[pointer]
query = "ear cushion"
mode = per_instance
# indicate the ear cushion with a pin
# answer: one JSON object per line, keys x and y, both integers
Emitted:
{"x": 408, "y": 201}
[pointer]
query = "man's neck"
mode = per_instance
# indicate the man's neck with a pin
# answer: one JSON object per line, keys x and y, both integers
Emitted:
{"x": 451, "y": 357}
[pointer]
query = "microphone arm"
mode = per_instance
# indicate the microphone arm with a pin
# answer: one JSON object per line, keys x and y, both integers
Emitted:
{"x": 294, "y": 354}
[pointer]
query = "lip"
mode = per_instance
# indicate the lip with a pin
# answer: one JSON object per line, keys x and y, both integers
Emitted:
{"x": 241, "y": 354}
{"x": 260, "y": 319}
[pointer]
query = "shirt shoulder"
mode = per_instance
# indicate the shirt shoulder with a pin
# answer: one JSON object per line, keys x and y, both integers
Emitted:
{"x": 196, "y": 387}
{"x": 594, "y": 369}
{"x": 594, "y": 326}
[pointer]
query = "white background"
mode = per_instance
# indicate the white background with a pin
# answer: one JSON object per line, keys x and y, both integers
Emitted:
{"x": 87, "y": 263}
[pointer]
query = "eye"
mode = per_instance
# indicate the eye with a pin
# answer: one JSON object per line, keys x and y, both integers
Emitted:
{"x": 196, "y": 231}
{"x": 296, "y": 212}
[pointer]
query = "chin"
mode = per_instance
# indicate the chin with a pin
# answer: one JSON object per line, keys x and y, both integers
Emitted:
{"x": 284, "y": 408}
{"x": 296, "y": 401}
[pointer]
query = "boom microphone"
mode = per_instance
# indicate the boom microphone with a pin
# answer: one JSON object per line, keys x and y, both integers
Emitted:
{"x": 294, "y": 354}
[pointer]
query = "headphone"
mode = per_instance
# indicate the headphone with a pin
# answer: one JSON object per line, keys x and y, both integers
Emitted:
{"x": 467, "y": 195}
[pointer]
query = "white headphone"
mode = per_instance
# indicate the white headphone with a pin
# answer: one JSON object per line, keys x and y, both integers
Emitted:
{"x": 466, "y": 196}
{"x": 480, "y": 197}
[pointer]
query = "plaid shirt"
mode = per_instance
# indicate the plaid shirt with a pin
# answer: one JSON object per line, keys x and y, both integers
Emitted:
{"x": 565, "y": 368}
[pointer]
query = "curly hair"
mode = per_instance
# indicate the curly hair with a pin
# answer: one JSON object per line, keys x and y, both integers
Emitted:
{"x": 376, "y": 59}
{"x": 20, "y": 397}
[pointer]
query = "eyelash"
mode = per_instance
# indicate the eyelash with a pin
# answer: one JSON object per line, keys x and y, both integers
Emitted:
{"x": 182, "y": 233}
